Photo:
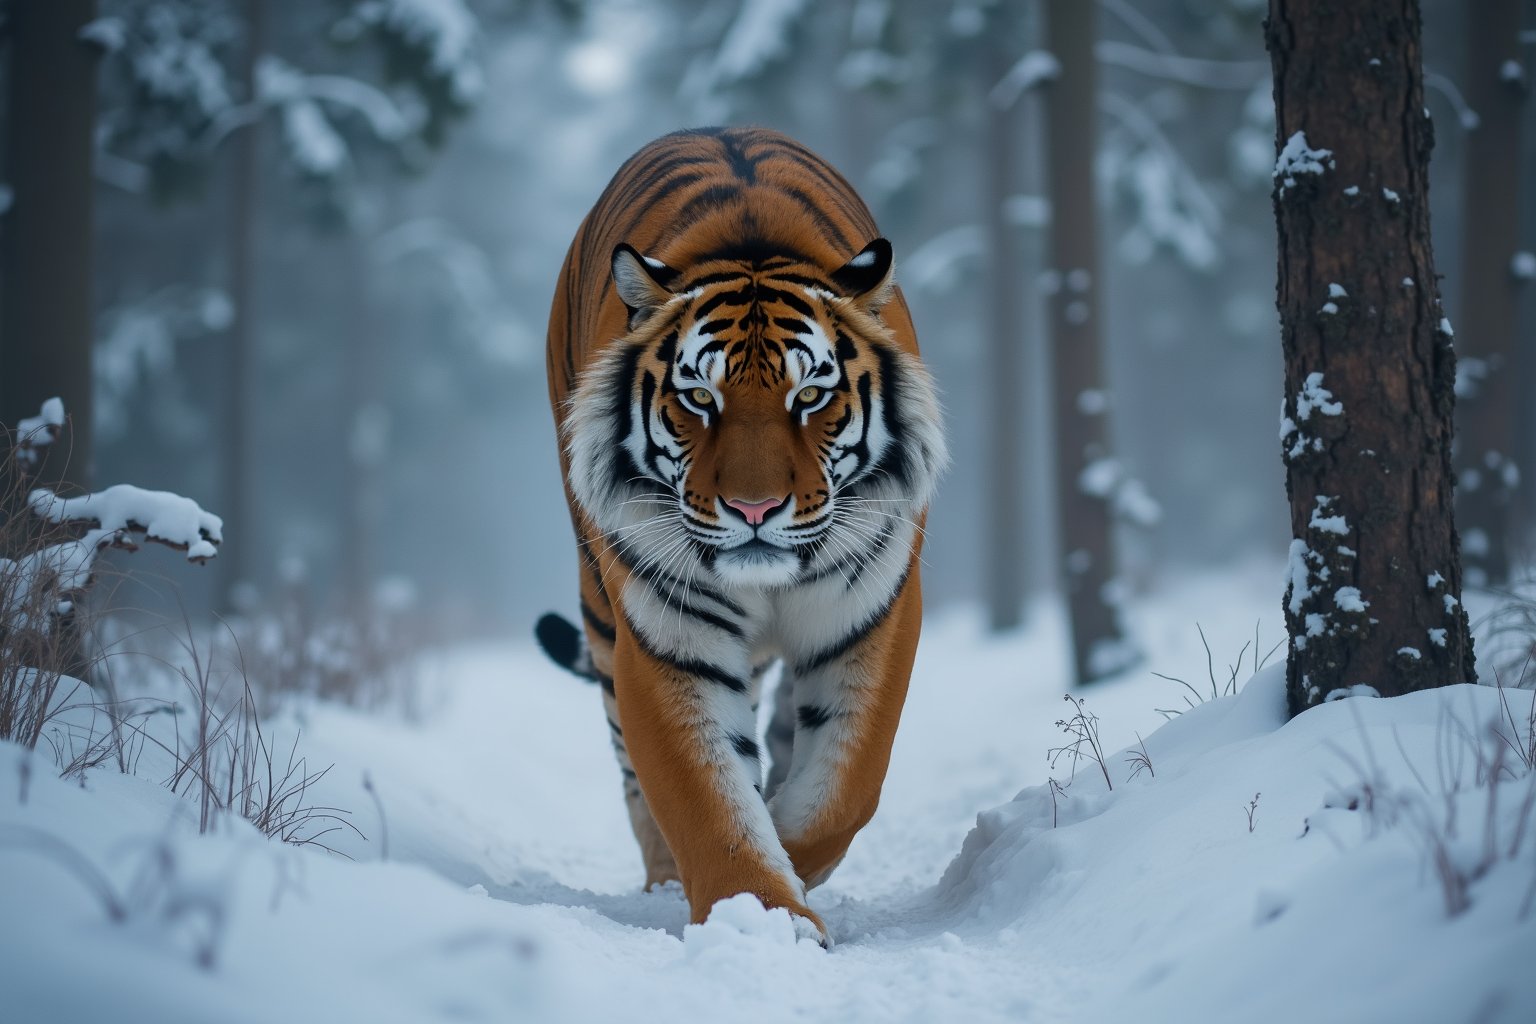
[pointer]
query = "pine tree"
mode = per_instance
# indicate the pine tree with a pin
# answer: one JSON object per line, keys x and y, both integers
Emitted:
{"x": 1374, "y": 593}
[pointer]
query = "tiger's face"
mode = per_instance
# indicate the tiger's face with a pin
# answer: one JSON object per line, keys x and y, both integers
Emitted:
{"x": 755, "y": 421}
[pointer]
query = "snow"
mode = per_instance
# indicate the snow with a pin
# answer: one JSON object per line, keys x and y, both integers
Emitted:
{"x": 1297, "y": 158}
{"x": 1100, "y": 477}
{"x": 1357, "y": 690}
{"x": 1092, "y": 402}
{"x": 1329, "y": 308}
{"x": 444, "y": 30}
{"x": 163, "y": 517}
{"x": 1353, "y": 190}
{"x": 1327, "y": 524}
{"x": 509, "y": 890}
{"x": 1445, "y": 327}
{"x": 1347, "y": 599}
{"x": 1027, "y": 211}
{"x": 1034, "y": 68}
{"x": 1512, "y": 71}
{"x": 1434, "y": 580}
{"x": 1522, "y": 265}
{"x": 1410, "y": 652}
{"x": 1437, "y": 637}
{"x": 39, "y": 431}
{"x": 111, "y": 34}
{"x": 1314, "y": 396}
{"x": 1391, "y": 196}
{"x": 758, "y": 37}
{"x": 1107, "y": 478}
{"x": 1336, "y": 291}
{"x": 1297, "y": 573}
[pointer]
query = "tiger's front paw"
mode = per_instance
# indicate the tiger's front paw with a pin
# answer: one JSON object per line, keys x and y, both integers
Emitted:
{"x": 744, "y": 917}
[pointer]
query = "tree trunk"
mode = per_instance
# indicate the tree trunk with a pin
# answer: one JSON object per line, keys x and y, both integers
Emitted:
{"x": 1374, "y": 595}
{"x": 242, "y": 366}
{"x": 1099, "y": 647}
{"x": 1486, "y": 474}
{"x": 1005, "y": 529}
{"x": 46, "y": 305}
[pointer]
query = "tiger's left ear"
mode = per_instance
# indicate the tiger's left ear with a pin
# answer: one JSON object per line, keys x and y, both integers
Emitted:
{"x": 868, "y": 275}
{"x": 642, "y": 282}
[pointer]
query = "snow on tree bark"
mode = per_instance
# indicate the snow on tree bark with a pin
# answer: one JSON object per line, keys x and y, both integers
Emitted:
{"x": 1099, "y": 645}
{"x": 1374, "y": 591}
{"x": 1486, "y": 473}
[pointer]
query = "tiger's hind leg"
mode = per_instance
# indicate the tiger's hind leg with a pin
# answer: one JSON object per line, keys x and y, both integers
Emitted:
{"x": 580, "y": 654}
{"x": 660, "y": 866}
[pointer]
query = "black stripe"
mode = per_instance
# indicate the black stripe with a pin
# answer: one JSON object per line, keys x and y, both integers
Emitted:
{"x": 812, "y": 717}
{"x": 860, "y": 564}
{"x": 847, "y": 643}
{"x": 789, "y": 277}
{"x": 893, "y": 460}
{"x": 626, "y": 556}
{"x": 714, "y": 302}
{"x": 790, "y": 299}
{"x": 601, "y": 628}
{"x": 834, "y": 185}
{"x": 677, "y": 604}
{"x": 606, "y": 682}
{"x": 742, "y": 165}
{"x": 713, "y": 197}
{"x": 828, "y": 226}
{"x": 746, "y": 746}
{"x": 702, "y": 670}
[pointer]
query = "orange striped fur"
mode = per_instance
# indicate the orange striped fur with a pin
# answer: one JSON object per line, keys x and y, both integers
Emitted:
{"x": 749, "y": 443}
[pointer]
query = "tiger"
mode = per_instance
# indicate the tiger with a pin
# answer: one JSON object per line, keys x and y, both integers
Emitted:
{"x": 749, "y": 443}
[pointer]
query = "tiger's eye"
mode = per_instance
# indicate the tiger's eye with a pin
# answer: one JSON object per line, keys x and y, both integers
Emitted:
{"x": 808, "y": 395}
{"x": 702, "y": 396}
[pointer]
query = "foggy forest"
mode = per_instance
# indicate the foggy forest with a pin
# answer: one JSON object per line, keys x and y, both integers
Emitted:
{"x": 1223, "y": 706}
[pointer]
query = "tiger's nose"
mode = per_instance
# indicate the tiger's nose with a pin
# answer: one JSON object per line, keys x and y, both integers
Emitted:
{"x": 754, "y": 512}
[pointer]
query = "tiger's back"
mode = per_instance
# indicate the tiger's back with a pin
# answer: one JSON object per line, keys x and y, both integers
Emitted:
{"x": 749, "y": 443}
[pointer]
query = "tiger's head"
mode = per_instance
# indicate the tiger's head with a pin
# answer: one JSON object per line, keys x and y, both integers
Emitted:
{"x": 757, "y": 416}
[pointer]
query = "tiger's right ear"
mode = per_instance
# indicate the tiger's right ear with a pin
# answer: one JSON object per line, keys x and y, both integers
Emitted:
{"x": 643, "y": 283}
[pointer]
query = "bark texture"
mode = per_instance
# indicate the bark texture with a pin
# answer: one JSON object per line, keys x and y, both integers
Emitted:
{"x": 1099, "y": 646}
{"x": 1374, "y": 595}
{"x": 1486, "y": 475}
{"x": 46, "y": 321}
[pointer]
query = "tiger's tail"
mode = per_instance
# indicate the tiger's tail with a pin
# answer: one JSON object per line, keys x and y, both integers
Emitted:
{"x": 566, "y": 645}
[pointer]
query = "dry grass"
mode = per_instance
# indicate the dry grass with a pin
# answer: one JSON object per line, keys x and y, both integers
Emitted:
{"x": 1452, "y": 813}
{"x": 1225, "y": 686}
{"x": 365, "y": 655}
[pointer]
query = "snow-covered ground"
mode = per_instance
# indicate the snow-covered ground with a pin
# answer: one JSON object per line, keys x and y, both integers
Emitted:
{"x": 500, "y": 882}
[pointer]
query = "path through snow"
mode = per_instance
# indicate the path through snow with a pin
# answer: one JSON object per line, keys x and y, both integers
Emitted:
{"x": 509, "y": 889}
